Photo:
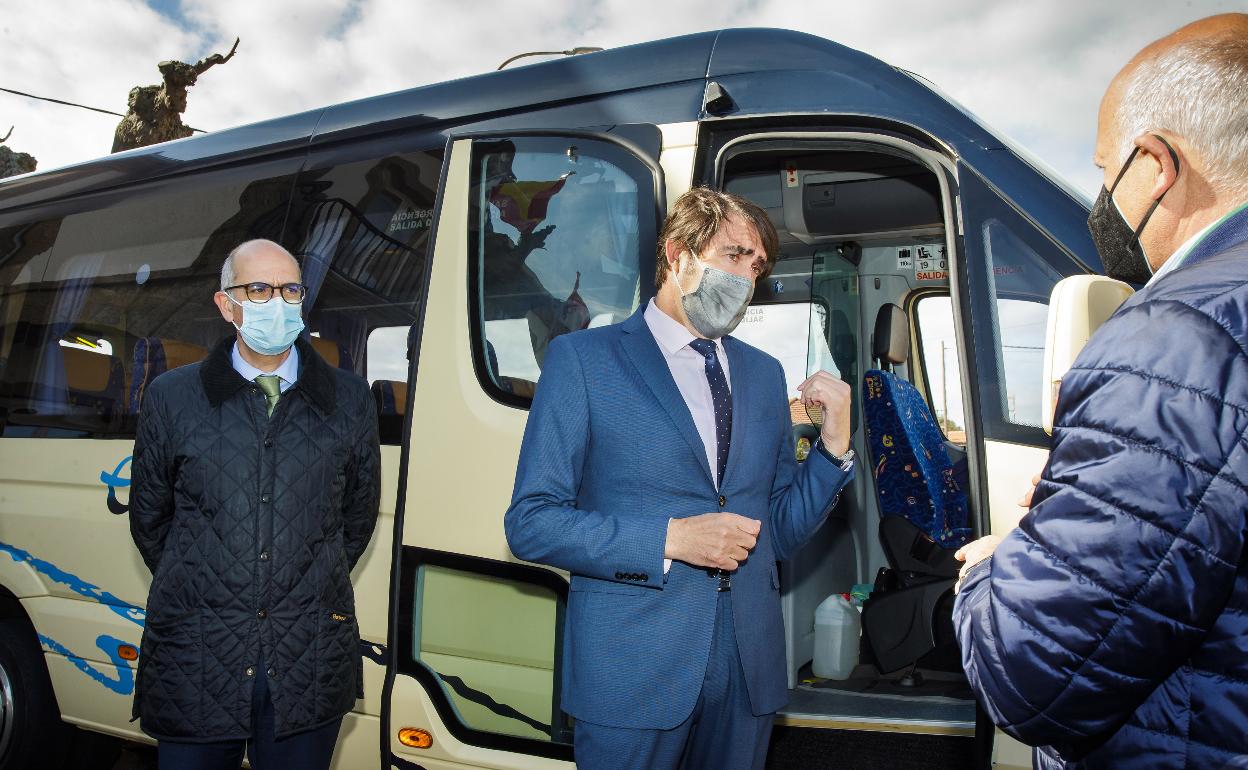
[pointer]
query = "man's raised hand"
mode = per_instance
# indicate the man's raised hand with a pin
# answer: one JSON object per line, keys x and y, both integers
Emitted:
{"x": 833, "y": 396}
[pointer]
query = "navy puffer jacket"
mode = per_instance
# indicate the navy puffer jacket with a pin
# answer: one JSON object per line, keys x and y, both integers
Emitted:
{"x": 1111, "y": 627}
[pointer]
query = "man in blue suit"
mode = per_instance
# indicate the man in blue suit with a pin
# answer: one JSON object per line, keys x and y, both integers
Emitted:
{"x": 658, "y": 468}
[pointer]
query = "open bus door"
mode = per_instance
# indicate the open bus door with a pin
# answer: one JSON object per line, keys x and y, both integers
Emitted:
{"x": 867, "y": 221}
{"x": 538, "y": 233}
{"x": 1013, "y": 267}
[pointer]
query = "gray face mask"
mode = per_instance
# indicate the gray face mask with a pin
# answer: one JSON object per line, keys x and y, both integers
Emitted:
{"x": 718, "y": 304}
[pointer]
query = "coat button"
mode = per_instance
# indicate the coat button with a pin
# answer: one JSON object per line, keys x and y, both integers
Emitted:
{"x": 272, "y": 672}
{"x": 644, "y": 577}
{"x": 262, "y": 613}
{"x": 268, "y": 443}
{"x": 722, "y": 501}
{"x": 619, "y": 576}
{"x": 266, "y": 497}
{"x": 251, "y": 671}
{"x": 264, "y": 556}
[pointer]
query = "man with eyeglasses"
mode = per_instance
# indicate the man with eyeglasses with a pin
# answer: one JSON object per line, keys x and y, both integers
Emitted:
{"x": 255, "y": 491}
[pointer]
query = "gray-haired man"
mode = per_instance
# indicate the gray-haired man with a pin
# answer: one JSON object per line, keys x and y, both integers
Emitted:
{"x": 1111, "y": 628}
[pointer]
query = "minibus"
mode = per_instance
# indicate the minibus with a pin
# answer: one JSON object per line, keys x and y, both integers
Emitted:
{"x": 447, "y": 234}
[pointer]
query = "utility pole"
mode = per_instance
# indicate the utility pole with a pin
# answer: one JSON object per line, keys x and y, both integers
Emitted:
{"x": 944, "y": 388}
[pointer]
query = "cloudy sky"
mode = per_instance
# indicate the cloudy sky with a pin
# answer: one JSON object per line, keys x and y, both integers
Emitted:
{"x": 1032, "y": 70}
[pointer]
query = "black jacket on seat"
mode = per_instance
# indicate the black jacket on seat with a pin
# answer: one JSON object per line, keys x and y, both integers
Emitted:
{"x": 250, "y": 526}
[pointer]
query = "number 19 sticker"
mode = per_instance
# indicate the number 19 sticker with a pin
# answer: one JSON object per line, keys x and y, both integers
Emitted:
{"x": 930, "y": 264}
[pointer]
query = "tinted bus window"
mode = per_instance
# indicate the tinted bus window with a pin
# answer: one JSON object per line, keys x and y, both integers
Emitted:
{"x": 558, "y": 231}
{"x": 361, "y": 230}
{"x": 115, "y": 290}
{"x": 1012, "y": 267}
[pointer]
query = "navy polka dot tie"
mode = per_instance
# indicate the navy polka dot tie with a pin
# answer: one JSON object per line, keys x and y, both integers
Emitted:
{"x": 721, "y": 397}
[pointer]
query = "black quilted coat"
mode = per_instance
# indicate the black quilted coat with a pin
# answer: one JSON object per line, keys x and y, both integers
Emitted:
{"x": 250, "y": 526}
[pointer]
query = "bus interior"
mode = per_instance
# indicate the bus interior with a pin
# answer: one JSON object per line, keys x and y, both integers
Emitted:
{"x": 861, "y": 290}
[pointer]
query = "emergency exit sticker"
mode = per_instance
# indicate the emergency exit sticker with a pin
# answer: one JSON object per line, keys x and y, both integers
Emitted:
{"x": 930, "y": 264}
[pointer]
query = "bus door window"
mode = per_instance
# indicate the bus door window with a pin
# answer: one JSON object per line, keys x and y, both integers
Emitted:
{"x": 941, "y": 367}
{"x": 1012, "y": 267}
{"x": 554, "y": 238}
{"x": 360, "y": 229}
{"x": 494, "y": 672}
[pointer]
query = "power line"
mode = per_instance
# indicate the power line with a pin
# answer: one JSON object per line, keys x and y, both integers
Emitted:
{"x": 73, "y": 104}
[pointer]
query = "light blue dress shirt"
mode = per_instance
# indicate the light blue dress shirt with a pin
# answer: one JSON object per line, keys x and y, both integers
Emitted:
{"x": 288, "y": 372}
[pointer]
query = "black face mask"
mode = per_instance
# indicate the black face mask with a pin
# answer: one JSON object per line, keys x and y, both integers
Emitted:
{"x": 1117, "y": 243}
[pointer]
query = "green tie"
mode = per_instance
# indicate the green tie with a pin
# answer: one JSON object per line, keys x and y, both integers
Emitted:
{"x": 272, "y": 387}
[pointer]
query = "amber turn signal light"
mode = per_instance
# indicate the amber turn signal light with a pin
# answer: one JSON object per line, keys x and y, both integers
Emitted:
{"x": 128, "y": 652}
{"x": 415, "y": 737}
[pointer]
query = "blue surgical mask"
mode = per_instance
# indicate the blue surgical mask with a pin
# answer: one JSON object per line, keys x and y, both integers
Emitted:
{"x": 269, "y": 328}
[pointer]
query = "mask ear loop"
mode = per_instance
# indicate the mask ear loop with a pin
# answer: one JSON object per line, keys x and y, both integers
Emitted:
{"x": 1174, "y": 157}
{"x": 236, "y": 302}
{"x": 1123, "y": 172}
{"x": 678, "y": 271}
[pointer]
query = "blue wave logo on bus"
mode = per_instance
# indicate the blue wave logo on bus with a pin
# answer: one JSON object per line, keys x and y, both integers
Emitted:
{"x": 115, "y": 481}
{"x": 122, "y": 682}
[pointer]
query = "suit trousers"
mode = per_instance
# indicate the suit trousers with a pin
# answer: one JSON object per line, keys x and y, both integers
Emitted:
{"x": 722, "y": 733}
{"x": 309, "y": 750}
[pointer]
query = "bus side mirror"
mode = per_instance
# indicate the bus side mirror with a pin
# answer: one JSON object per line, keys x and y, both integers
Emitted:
{"x": 1077, "y": 308}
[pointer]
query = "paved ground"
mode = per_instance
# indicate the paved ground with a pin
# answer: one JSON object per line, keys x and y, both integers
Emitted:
{"x": 89, "y": 751}
{"x": 790, "y": 750}
{"x": 136, "y": 758}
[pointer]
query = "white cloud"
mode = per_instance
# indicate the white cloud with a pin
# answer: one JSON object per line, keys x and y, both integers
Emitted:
{"x": 92, "y": 53}
{"x": 1034, "y": 71}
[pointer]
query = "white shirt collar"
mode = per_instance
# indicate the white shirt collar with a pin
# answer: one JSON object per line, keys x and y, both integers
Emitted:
{"x": 288, "y": 371}
{"x": 1183, "y": 252}
{"x": 670, "y": 333}
{"x": 1180, "y": 254}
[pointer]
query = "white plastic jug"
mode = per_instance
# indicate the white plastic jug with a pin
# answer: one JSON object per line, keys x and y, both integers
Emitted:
{"x": 837, "y": 627}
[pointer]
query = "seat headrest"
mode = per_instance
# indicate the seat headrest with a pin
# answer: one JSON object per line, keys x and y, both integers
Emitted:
{"x": 327, "y": 349}
{"x": 87, "y": 371}
{"x": 891, "y": 342}
{"x": 182, "y": 353}
{"x": 391, "y": 396}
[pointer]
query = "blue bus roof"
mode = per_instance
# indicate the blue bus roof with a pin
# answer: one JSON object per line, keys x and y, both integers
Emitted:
{"x": 686, "y": 59}
{"x": 765, "y": 72}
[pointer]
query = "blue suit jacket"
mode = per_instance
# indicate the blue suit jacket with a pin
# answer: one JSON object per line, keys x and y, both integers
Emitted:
{"x": 610, "y": 454}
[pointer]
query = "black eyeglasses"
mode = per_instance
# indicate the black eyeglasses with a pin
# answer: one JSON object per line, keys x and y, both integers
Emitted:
{"x": 260, "y": 293}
